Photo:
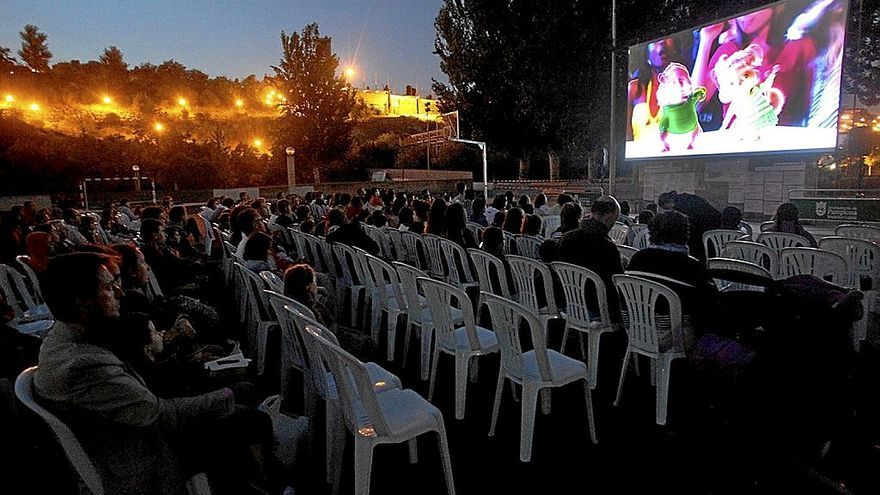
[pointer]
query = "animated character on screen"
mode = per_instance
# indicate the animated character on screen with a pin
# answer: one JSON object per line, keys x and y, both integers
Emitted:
{"x": 753, "y": 104}
{"x": 679, "y": 98}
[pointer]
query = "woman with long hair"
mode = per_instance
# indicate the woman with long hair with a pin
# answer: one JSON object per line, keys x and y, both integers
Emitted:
{"x": 436, "y": 217}
{"x": 455, "y": 228}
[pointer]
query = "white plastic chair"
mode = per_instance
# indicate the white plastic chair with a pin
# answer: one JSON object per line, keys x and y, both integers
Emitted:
{"x": 716, "y": 239}
{"x": 534, "y": 370}
{"x": 414, "y": 245}
{"x": 549, "y": 224}
{"x": 811, "y": 261}
{"x": 853, "y": 231}
{"x": 462, "y": 341}
{"x": 272, "y": 280}
{"x": 618, "y": 233}
{"x": 393, "y": 416}
{"x": 259, "y": 318}
{"x": 208, "y": 240}
{"x": 37, "y": 293}
{"x": 387, "y": 297}
{"x": 738, "y": 266}
{"x": 642, "y": 238}
{"x": 863, "y": 259}
{"x": 640, "y": 297}
{"x": 578, "y": 284}
{"x": 77, "y": 457}
{"x": 528, "y": 246}
{"x": 509, "y": 246}
{"x": 30, "y": 318}
{"x": 476, "y": 230}
{"x": 396, "y": 237}
{"x": 292, "y": 348}
{"x": 458, "y": 265}
{"x": 765, "y": 226}
{"x": 381, "y": 239}
{"x": 484, "y": 264}
{"x": 434, "y": 256}
{"x": 626, "y": 254}
{"x": 525, "y": 272}
{"x": 752, "y": 252}
{"x": 351, "y": 280}
{"x": 299, "y": 242}
{"x": 321, "y": 258}
{"x": 781, "y": 240}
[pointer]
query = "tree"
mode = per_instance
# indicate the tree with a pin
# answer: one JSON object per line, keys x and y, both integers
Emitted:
{"x": 34, "y": 50}
{"x": 112, "y": 58}
{"x": 6, "y": 58}
{"x": 315, "y": 117}
{"x": 862, "y": 71}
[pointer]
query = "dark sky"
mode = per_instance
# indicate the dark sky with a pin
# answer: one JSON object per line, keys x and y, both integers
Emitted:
{"x": 235, "y": 39}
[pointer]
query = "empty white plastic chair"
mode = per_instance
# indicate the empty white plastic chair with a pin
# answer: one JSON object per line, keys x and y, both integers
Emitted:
{"x": 863, "y": 260}
{"x": 36, "y": 291}
{"x": 476, "y": 230}
{"x": 396, "y": 237}
{"x": 388, "y": 298}
{"x": 30, "y": 318}
{"x": 854, "y": 231}
{"x": 752, "y": 252}
{"x": 351, "y": 279}
{"x": 393, "y": 416}
{"x": 260, "y": 318}
{"x": 434, "y": 256}
{"x": 618, "y": 233}
{"x": 781, "y": 240}
{"x": 738, "y": 266}
{"x": 579, "y": 284}
{"x": 765, "y": 226}
{"x": 525, "y": 274}
{"x": 463, "y": 341}
{"x": 811, "y": 261}
{"x": 486, "y": 264}
{"x": 714, "y": 241}
{"x": 458, "y": 265}
{"x": 640, "y": 297}
{"x": 415, "y": 248}
{"x": 534, "y": 370}
{"x": 292, "y": 348}
{"x": 509, "y": 246}
{"x": 528, "y": 246}
{"x": 381, "y": 239}
{"x": 549, "y": 224}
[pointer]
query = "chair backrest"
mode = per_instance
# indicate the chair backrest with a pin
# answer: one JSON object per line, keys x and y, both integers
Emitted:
{"x": 626, "y": 254}
{"x": 153, "y": 289}
{"x": 549, "y": 224}
{"x": 299, "y": 242}
{"x": 579, "y": 285}
{"x": 640, "y": 297}
{"x": 434, "y": 255}
{"x": 365, "y": 275}
{"x": 781, "y": 240}
{"x": 384, "y": 275}
{"x": 765, "y": 226}
{"x": 642, "y": 237}
{"x": 345, "y": 258}
{"x": 754, "y": 253}
{"x": 408, "y": 276}
{"x": 256, "y": 297}
{"x": 811, "y": 261}
{"x": 381, "y": 239}
{"x": 618, "y": 233}
{"x": 738, "y": 266}
{"x": 457, "y": 263}
{"x": 509, "y": 243}
{"x": 507, "y": 316}
{"x": 747, "y": 228}
{"x": 476, "y": 230}
{"x": 360, "y": 407}
{"x": 15, "y": 289}
{"x": 292, "y": 351}
{"x": 76, "y": 455}
{"x": 396, "y": 236}
{"x": 37, "y": 293}
{"x": 528, "y": 246}
{"x": 525, "y": 272}
{"x": 414, "y": 244}
{"x": 483, "y": 262}
{"x": 208, "y": 239}
{"x": 440, "y": 296}
{"x": 714, "y": 241}
{"x": 315, "y": 366}
{"x": 865, "y": 232}
{"x": 272, "y": 280}
{"x": 863, "y": 258}
{"x": 320, "y": 258}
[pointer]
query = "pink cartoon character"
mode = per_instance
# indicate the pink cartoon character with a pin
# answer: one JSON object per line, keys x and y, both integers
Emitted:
{"x": 753, "y": 104}
{"x": 678, "y": 98}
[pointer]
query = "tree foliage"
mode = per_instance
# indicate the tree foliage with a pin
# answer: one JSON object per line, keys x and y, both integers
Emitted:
{"x": 113, "y": 59}
{"x": 316, "y": 114}
{"x": 34, "y": 49}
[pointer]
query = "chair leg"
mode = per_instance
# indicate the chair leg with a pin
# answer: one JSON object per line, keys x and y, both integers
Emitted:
{"x": 588, "y": 396}
{"x": 410, "y": 328}
{"x": 653, "y": 372}
{"x": 499, "y": 392}
{"x": 376, "y": 319}
{"x": 262, "y": 340}
{"x": 474, "y": 371}
{"x": 444, "y": 457}
{"x": 433, "y": 373}
{"x": 363, "y": 465}
{"x": 513, "y": 391}
{"x": 581, "y": 343}
{"x": 622, "y": 375}
{"x": 461, "y": 375}
{"x": 335, "y": 443}
{"x": 564, "y": 340}
{"x": 392, "y": 335}
{"x": 593, "y": 361}
{"x": 413, "y": 451}
{"x": 527, "y": 428}
{"x": 545, "y": 401}
{"x": 664, "y": 367}
{"x": 427, "y": 337}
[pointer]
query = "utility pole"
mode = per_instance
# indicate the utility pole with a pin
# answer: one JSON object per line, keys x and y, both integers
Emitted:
{"x": 612, "y": 146}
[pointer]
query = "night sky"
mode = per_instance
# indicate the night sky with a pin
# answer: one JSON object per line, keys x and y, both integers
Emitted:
{"x": 236, "y": 39}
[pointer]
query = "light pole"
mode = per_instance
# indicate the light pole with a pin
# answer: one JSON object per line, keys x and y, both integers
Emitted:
{"x": 482, "y": 146}
{"x": 137, "y": 177}
{"x": 291, "y": 168}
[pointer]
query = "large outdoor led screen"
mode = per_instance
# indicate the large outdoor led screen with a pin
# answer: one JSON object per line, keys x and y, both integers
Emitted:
{"x": 765, "y": 81}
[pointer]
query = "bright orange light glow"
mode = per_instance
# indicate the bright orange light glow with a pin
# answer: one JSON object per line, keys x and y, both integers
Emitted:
{"x": 35, "y": 107}
{"x": 159, "y": 127}
{"x": 349, "y": 72}
{"x": 258, "y": 143}
{"x": 239, "y": 103}
{"x": 9, "y": 98}
{"x": 181, "y": 102}
{"x": 107, "y": 100}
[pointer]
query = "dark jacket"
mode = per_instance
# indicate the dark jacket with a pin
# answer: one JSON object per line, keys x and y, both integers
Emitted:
{"x": 351, "y": 234}
{"x": 702, "y": 217}
{"x": 590, "y": 247}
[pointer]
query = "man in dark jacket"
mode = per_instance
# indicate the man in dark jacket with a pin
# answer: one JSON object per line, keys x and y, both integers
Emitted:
{"x": 352, "y": 234}
{"x": 701, "y": 215}
{"x": 590, "y": 247}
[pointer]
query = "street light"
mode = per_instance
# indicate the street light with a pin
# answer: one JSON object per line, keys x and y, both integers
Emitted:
{"x": 137, "y": 177}
{"x": 107, "y": 100}
{"x": 349, "y": 73}
{"x": 291, "y": 168}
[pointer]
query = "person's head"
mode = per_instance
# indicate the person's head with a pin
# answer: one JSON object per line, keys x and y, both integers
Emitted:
{"x": 570, "y": 216}
{"x": 660, "y": 53}
{"x": 177, "y": 214}
{"x": 669, "y": 227}
{"x": 666, "y": 201}
{"x": 307, "y": 227}
{"x": 513, "y": 222}
{"x": 228, "y": 202}
{"x": 564, "y": 198}
{"x": 605, "y": 210}
{"x": 731, "y": 218}
{"x": 249, "y": 221}
{"x": 211, "y": 204}
{"x": 88, "y": 226}
{"x": 624, "y": 208}
{"x": 303, "y": 213}
{"x": 493, "y": 241}
{"x": 152, "y": 232}
{"x": 299, "y": 283}
{"x": 652, "y": 207}
{"x": 154, "y": 212}
{"x": 257, "y": 246}
{"x": 420, "y": 210}
{"x": 243, "y": 196}
{"x": 753, "y": 22}
{"x": 405, "y": 216}
{"x": 478, "y": 206}
{"x": 532, "y": 225}
{"x": 787, "y": 213}
{"x": 336, "y": 218}
{"x": 523, "y": 201}
{"x": 71, "y": 216}
{"x": 499, "y": 219}
{"x": 540, "y": 200}
{"x": 469, "y": 194}
{"x": 39, "y": 245}
{"x": 82, "y": 288}
{"x": 377, "y": 219}
{"x": 436, "y": 216}
{"x": 132, "y": 266}
{"x": 500, "y": 202}
{"x": 283, "y": 207}
{"x": 456, "y": 218}
{"x": 645, "y": 217}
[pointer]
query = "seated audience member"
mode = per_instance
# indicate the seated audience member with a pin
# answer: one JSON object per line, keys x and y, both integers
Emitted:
{"x": 478, "y": 212}
{"x": 39, "y": 248}
{"x": 300, "y": 284}
{"x": 307, "y": 227}
{"x": 154, "y": 212}
{"x": 420, "y": 216}
{"x": 541, "y": 207}
{"x": 125, "y": 209}
{"x": 667, "y": 255}
{"x": 701, "y": 215}
{"x": 404, "y": 218}
{"x": 88, "y": 227}
{"x": 499, "y": 219}
{"x": 354, "y": 208}
{"x": 624, "y": 214}
{"x": 178, "y": 242}
{"x": 532, "y": 225}
{"x": 646, "y": 217}
{"x": 499, "y": 203}
{"x": 257, "y": 253}
{"x": 352, "y": 234}
{"x": 561, "y": 201}
{"x": 455, "y": 226}
{"x": 377, "y": 219}
{"x": 18, "y": 351}
{"x": 284, "y": 218}
{"x": 72, "y": 223}
{"x": 493, "y": 243}
{"x": 514, "y": 220}
{"x": 250, "y": 220}
{"x": 788, "y": 221}
{"x": 590, "y": 247}
{"x": 436, "y": 217}
{"x": 524, "y": 202}
{"x": 171, "y": 270}
{"x": 303, "y": 213}
{"x": 127, "y": 431}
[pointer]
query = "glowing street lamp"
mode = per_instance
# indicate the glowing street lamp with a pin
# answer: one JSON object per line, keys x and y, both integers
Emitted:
{"x": 107, "y": 100}
{"x": 349, "y": 73}
{"x": 9, "y": 98}
{"x": 258, "y": 143}
{"x": 239, "y": 103}
{"x": 34, "y": 107}
{"x": 159, "y": 127}
{"x": 291, "y": 168}
{"x": 182, "y": 102}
